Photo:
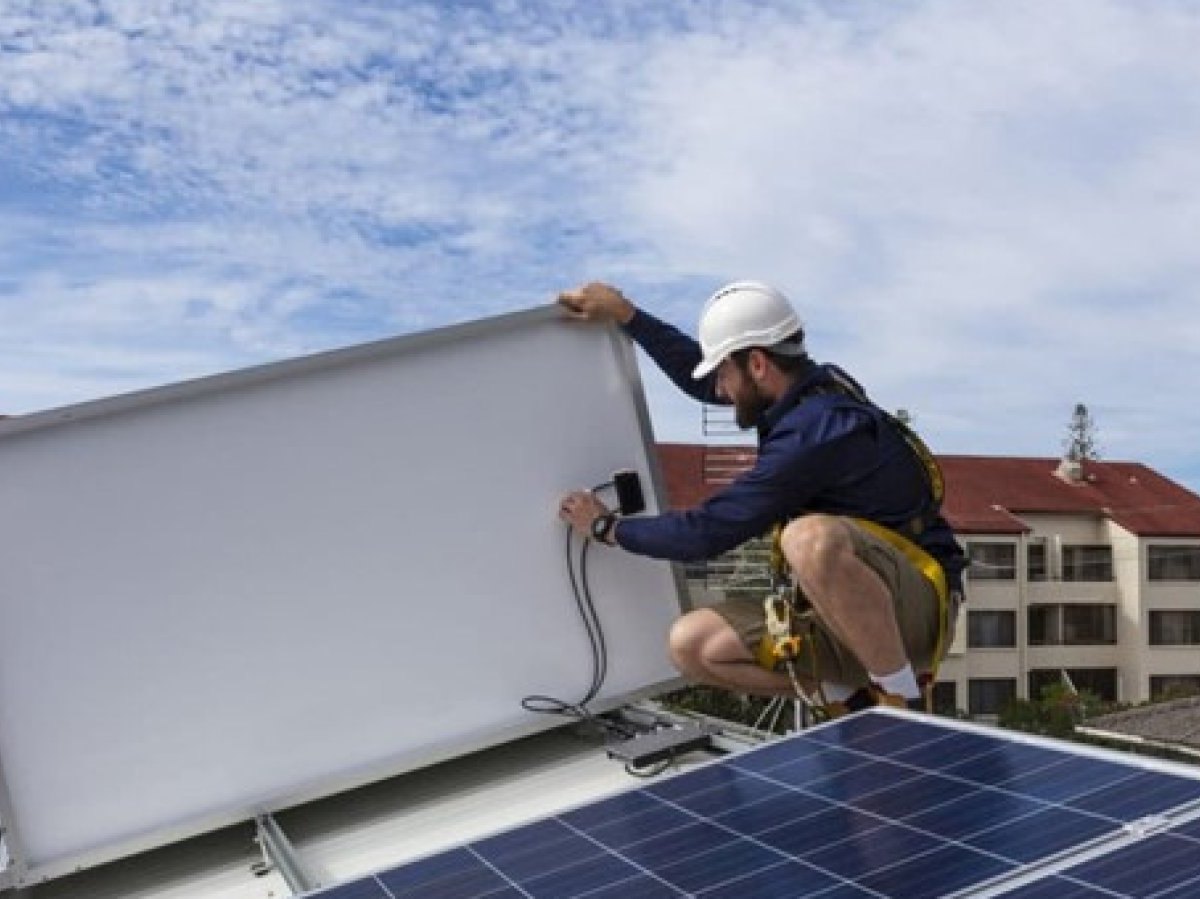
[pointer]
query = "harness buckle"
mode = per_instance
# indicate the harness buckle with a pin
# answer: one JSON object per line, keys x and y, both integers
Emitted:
{"x": 777, "y": 612}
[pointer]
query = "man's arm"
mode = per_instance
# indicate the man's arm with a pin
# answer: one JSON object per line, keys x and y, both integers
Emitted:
{"x": 741, "y": 511}
{"x": 675, "y": 353}
{"x": 793, "y": 468}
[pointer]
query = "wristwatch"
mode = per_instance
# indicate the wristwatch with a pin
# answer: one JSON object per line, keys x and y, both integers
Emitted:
{"x": 602, "y": 527}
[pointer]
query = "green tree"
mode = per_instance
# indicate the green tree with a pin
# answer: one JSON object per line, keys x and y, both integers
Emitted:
{"x": 1054, "y": 714}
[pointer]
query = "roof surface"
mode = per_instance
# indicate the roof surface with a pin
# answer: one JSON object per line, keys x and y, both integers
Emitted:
{"x": 1176, "y": 721}
{"x": 987, "y": 494}
{"x": 377, "y": 826}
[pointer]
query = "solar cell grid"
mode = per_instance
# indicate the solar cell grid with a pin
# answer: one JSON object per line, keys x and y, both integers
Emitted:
{"x": 1164, "y": 866}
{"x": 878, "y": 805}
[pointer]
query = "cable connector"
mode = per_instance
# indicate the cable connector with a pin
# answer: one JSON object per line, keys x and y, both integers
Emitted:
{"x": 663, "y": 744}
{"x": 630, "y": 498}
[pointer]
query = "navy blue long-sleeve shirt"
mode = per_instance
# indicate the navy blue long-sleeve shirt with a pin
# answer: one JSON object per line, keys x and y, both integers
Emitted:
{"x": 818, "y": 452}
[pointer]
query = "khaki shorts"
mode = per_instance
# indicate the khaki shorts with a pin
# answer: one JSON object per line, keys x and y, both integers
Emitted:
{"x": 822, "y": 657}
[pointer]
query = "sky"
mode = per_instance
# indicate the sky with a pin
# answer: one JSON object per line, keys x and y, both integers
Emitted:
{"x": 987, "y": 212}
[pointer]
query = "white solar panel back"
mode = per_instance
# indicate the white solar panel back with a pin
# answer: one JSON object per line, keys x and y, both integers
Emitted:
{"x": 232, "y": 595}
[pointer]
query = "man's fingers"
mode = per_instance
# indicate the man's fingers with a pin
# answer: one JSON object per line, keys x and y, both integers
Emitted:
{"x": 573, "y": 303}
{"x": 572, "y": 509}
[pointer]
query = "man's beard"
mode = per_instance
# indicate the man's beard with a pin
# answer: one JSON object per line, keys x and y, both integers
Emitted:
{"x": 750, "y": 407}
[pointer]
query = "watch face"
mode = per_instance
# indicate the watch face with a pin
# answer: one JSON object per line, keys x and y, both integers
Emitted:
{"x": 602, "y": 525}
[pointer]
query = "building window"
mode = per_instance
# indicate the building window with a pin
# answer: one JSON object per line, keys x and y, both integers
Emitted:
{"x": 1073, "y": 625}
{"x": 988, "y": 695}
{"x": 1174, "y": 563}
{"x": 1087, "y": 563}
{"x": 1178, "y": 685}
{"x": 993, "y": 561}
{"x": 1088, "y": 625}
{"x": 945, "y": 698}
{"x": 1100, "y": 682}
{"x": 1175, "y": 628}
{"x": 1035, "y": 561}
{"x": 1045, "y": 626}
{"x": 990, "y": 629}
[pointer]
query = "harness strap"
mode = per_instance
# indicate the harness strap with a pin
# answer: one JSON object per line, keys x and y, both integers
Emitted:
{"x": 933, "y": 572}
{"x": 935, "y": 482}
{"x": 781, "y": 644}
{"x": 921, "y": 560}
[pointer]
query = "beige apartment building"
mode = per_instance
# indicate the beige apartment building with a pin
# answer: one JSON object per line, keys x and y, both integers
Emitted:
{"x": 1087, "y": 573}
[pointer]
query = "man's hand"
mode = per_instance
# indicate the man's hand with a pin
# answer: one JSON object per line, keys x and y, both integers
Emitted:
{"x": 597, "y": 302}
{"x": 579, "y": 509}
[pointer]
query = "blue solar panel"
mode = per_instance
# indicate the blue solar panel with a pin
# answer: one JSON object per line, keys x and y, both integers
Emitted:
{"x": 878, "y": 804}
{"x": 1165, "y": 866}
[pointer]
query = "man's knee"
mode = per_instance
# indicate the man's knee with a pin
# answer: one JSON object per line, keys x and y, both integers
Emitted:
{"x": 811, "y": 542}
{"x": 687, "y": 638}
{"x": 699, "y": 639}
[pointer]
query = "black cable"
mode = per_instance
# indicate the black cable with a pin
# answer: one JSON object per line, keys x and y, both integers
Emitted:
{"x": 649, "y": 771}
{"x": 550, "y": 705}
{"x": 587, "y": 611}
{"x": 600, "y": 646}
{"x": 581, "y": 590}
{"x": 582, "y": 593}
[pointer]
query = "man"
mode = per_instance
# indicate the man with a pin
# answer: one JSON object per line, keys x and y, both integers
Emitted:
{"x": 875, "y": 568}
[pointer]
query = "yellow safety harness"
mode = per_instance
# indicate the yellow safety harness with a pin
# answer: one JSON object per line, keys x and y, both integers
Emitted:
{"x": 786, "y": 625}
{"x": 782, "y": 642}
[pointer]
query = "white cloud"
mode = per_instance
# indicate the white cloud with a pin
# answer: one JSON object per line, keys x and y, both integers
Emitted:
{"x": 985, "y": 210}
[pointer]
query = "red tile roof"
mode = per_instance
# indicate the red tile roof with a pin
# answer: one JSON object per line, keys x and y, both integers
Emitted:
{"x": 986, "y": 494}
{"x": 687, "y": 482}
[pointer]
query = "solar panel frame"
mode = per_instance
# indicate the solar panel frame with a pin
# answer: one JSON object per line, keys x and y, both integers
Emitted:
{"x": 285, "y": 512}
{"x": 856, "y": 823}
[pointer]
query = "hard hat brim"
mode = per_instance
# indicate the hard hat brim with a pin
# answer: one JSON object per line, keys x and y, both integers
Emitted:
{"x": 707, "y": 366}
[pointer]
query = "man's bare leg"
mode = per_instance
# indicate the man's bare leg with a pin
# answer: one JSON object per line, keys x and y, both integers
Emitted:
{"x": 707, "y": 650}
{"x": 849, "y": 597}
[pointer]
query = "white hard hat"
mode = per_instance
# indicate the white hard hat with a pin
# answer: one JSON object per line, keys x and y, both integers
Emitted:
{"x": 742, "y": 315}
